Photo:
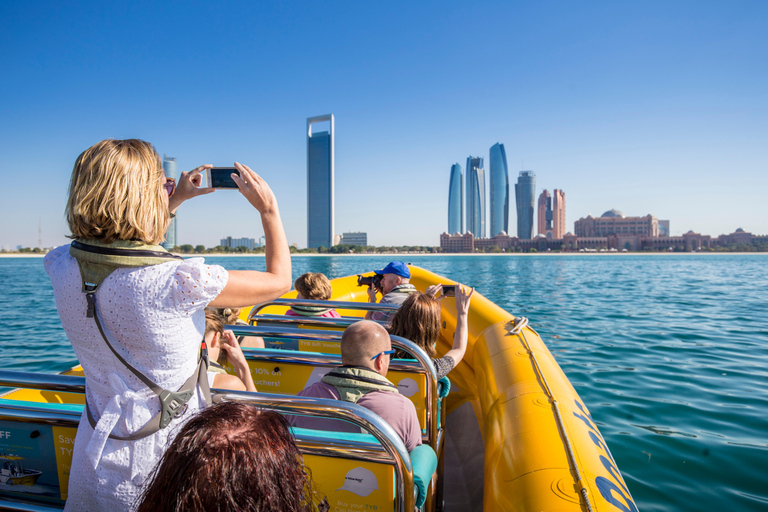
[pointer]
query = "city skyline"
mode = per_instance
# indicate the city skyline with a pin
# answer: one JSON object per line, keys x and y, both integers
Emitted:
{"x": 499, "y": 190}
{"x": 456, "y": 200}
{"x": 640, "y": 107}
{"x": 170, "y": 170}
{"x": 525, "y": 197}
{"x": 320, "y": 183}
{"x": 475, "y": 196}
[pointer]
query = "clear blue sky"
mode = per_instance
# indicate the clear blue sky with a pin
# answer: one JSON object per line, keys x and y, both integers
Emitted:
{"x": 646, "y": 107}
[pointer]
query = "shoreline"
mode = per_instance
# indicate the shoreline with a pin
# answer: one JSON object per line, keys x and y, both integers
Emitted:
{"x": 430, "y": 255}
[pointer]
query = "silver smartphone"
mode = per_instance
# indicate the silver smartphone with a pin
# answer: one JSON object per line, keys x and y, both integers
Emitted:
{"x": 221, "y": 177}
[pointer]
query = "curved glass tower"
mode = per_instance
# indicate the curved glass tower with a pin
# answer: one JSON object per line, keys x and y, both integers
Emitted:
{"x": 524, "y": 197}
{"x": 475, "y": 196}
{"x": 456, "y": 201}
{"x": 169, "y": 168}
{"x": 320, "y": 176}
{"x": 499, "y": 190}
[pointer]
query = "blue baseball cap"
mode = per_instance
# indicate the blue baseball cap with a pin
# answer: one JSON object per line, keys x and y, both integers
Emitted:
{"x": 396, "y": 267}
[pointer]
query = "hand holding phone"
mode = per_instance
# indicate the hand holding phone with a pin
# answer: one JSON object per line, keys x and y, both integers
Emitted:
{"x": 221, "y": 177}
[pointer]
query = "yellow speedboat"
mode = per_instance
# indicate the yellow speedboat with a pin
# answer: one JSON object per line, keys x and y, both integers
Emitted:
{"x": 511, "y": 435}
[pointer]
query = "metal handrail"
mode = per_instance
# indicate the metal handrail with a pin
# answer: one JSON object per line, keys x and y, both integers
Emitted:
{"x": 334, "y": 304}
{"x": 46, "y": 381}
{"x": 416, "y": 351}
{"x": 295, "y": 405}
{"x": 317, "y": 321}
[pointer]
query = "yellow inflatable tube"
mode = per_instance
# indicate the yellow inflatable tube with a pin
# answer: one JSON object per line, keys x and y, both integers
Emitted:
{"x": 542, "y": 449}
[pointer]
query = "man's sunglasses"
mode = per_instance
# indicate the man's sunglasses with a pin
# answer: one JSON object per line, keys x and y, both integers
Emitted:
{"x": 170, "y": 186}
{"x": 386, "y": 352}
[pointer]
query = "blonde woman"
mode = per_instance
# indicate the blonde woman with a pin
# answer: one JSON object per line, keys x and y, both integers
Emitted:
{"x": 135, "y": 314}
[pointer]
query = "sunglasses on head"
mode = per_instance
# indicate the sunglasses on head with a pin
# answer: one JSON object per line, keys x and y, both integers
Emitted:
{"x": 386, "y": 352}
{"x": 170, "y": 186}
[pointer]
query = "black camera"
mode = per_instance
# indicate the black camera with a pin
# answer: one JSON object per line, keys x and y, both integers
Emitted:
{"x": 449, "y": 290}
{"x": 374, "y": 280}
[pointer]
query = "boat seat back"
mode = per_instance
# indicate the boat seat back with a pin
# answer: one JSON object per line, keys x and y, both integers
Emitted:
{"x": 351, "y": 471}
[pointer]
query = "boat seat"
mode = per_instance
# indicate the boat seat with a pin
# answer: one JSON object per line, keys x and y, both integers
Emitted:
{"x": 370, "y": 471}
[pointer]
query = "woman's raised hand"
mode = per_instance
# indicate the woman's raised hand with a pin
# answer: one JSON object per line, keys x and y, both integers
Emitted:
{"x": 189, "y": 186}
{"x": 255, "y": 189}
{"x": 462, "y": 299}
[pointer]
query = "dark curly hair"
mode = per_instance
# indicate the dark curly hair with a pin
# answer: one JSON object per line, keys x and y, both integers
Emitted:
{"x": 230, "y": 456}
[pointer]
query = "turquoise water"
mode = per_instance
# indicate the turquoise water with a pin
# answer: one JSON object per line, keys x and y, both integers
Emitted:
{"x": 669, "y": 352}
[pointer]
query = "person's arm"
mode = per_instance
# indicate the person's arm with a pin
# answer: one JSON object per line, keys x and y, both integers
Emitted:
{"x": 371, "y": 298}
{"x": 236, "y": 358}
{"x": 226, "y": 381}
{"x": 249, "y": 287}
{"x": 462, "y": 327}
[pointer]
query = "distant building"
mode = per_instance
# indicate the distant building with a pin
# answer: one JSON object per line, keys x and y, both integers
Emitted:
{"x": 613, "y": 222}
{"x": 558, "y": 214}
{"x": 169, "y": 168}
{"x": 456, "y": 200}
{"x": 475, "y": 193}
{"x": 525, "y": 189}
{"x": 571, "y": 243}
{"x": 320, "y": 184}
{"x": 741, "y": 237}
{"x": 664, "y": 228}
{"x": 544, "y": 214}
{"x": 499, "y": 190}
{"x": 234, "y": 243}
{"x": 354, "y": 238}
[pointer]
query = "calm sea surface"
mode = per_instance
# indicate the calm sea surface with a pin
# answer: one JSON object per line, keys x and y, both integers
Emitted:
{"x": 669, "y": 352}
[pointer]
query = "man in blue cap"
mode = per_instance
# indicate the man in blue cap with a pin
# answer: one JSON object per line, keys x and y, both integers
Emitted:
{"x": 395, "y": 288}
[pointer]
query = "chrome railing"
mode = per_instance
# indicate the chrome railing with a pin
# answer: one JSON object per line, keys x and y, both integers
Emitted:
{"x": 315, "y": 321}
{"x": 389, "y": 441}
{"x": 423, "y": 361}
{"x": 334, "y": 304}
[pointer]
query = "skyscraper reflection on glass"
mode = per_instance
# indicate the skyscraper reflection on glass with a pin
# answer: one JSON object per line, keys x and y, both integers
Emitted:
{"x": 524, "y": 197}
{"x": 169, "y": 168}
{"x": 320, "y": 176}
{"x": 475, "y": 196}
{"x": 499, "y": 190}
{"x": 456, "y": 201}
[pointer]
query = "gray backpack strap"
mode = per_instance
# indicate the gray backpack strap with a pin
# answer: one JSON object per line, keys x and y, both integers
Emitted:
{"x": 172, "y": 402}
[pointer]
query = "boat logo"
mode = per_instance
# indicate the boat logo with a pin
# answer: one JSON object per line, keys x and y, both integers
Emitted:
{"x": 360, "y": 481}
{"x": 407, "y": 387}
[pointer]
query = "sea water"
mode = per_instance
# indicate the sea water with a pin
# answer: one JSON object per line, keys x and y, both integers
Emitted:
{"x": 668, "y": 351}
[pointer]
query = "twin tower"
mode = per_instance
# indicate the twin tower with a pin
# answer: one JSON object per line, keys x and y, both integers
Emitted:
{"x": 471, "y": 192}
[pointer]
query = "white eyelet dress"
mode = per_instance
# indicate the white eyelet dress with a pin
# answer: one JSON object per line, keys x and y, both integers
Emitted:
{"x": 154, "y": 316}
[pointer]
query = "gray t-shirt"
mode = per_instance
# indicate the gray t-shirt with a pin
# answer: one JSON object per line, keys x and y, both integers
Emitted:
{"x": 393, "y": 408}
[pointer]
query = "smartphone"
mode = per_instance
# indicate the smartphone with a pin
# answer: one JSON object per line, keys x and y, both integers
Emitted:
{"x": 449, "y": 290}
{"x": 221, "y": 177}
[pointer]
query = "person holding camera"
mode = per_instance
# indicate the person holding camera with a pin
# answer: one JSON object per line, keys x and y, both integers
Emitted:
{"x": 134, "y": 313}
{"x": 394, "y": 285}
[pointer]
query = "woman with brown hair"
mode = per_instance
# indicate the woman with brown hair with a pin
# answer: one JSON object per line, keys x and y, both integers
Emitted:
{"x": 313, "y": 286}
{"x": 418, "y": 320}
{"x": 134, "y": 313}
{"x": 231, "y": 456}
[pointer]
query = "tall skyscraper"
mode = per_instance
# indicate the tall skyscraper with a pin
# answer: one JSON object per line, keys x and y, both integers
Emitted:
{"x": 499, "y": 190}
{"x": 525, "y": 189}
{"x": 320, "y": 176}
{"x": 169, "y": 168}
{"x": 545, "y": 214}
{"x": 456, "y": 201}
{"x": 558, "y": 214}
{"x": 475, "y": 192}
